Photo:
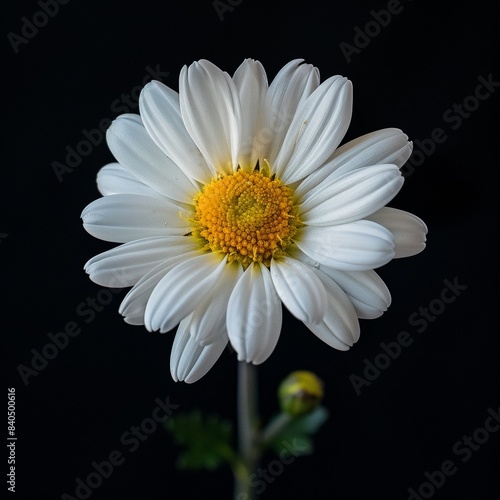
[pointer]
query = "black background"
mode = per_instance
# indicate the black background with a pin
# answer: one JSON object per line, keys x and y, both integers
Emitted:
{"x": 375, "y": 445}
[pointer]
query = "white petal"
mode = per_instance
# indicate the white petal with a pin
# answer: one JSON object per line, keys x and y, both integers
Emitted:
{"x": 324, "y": 333}
{"x": 208, "y": 320}
{"x": 409, "y": 231}
{"x": 211, "y": 112}
{"x": 293, "y": 84}
{"x": 340, "y": 326}
{"x": 356, "y": 246}
{"x": 366, "y": 290}
{"x": 124, "y": 265}
{"x": 161, "y": 114}
{"x": 116, "y": 179}
{"x": 181, "y": 290}
{"x": 316, "y": 130}
{"x": 190, "y": 361}
{"x": 352, "y": 196}
{"x": 254, "y": 315}
{"x": 126, "y": 217}
{"x": 251, "y": 82}
{"x": 299, "y": 289}
{"x": 133, "y": 305}
{"x": 387, "y": 146}
{"x": 132, "y": 146}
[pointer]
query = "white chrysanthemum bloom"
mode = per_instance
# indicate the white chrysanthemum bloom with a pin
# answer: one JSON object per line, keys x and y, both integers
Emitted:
{"x": 231, "y": 198}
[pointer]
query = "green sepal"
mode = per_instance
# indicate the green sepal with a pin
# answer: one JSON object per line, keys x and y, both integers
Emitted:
{"x": 206, "y": 440}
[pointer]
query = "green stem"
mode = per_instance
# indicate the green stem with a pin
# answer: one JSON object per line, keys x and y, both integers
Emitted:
{"x": 247, "y": 420}
{"x": 273, "y": 429}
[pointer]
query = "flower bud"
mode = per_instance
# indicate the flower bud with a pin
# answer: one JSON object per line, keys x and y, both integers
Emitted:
{"x": 300, "y": 393}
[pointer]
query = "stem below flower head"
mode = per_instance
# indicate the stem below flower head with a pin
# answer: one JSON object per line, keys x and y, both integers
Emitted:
{"x": 247, "y": 421}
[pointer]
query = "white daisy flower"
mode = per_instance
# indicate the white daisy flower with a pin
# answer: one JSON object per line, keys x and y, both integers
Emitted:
{"x": 230, "y": 198}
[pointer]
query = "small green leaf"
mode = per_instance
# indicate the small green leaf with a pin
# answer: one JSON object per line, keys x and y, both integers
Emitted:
{"x": 207, "y": 440}
{"x": 297, "y": 431}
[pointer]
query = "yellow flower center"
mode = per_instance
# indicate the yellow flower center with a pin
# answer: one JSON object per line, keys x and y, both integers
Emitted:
{"x": 249, "y": 216}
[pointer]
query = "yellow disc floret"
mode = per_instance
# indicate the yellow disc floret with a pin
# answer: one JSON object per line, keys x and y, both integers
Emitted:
{"x": 249, "y": 216}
